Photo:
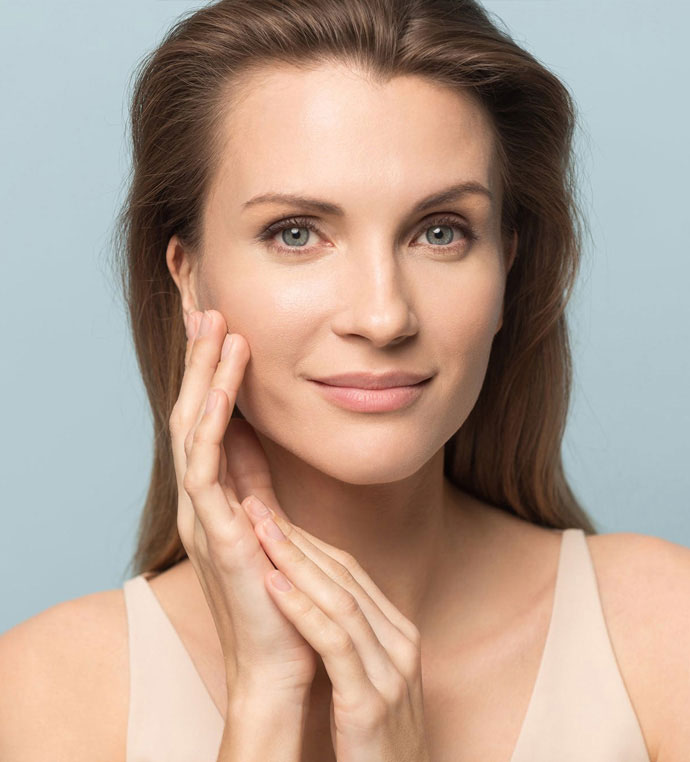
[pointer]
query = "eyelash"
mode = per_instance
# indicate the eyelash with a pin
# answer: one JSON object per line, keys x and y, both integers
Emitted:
{"x": 305, "y": 222}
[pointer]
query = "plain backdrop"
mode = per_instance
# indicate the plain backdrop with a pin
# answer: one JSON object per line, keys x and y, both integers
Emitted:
{"x": 76, "y": 443}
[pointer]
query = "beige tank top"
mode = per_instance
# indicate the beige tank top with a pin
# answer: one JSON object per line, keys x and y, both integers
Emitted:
{"x": 579, "y": 708}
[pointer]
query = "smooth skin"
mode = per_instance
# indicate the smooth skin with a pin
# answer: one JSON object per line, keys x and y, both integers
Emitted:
{"x": 369, "y": 290}
{"x": 370, "y": 650}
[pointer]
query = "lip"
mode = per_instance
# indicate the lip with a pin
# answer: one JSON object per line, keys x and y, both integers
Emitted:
{"x": 372, "y": 400}
{"x": 362, "y": 380}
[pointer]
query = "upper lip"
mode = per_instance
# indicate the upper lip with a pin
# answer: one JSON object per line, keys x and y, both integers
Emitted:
{"x": 363, "y": 380}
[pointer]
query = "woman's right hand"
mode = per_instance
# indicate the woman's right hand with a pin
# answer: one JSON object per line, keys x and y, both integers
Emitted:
{"x": 263, "y": 651}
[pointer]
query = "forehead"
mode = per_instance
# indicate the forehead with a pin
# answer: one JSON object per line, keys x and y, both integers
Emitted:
{"x": 333, "y": 133}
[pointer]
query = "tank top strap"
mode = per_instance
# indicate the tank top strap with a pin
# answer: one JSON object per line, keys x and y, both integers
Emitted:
{"x": 580, "y": 707}
{"x": 171, "y": 716}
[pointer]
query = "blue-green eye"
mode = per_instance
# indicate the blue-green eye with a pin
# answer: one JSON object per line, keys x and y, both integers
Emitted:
{"x": 438, "y": 237}
{"x": 294, "y": 235}
{"x": 295, "y": 239}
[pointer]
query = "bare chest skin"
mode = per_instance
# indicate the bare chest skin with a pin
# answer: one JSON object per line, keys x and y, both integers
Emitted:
{"x": 477, "y": 679}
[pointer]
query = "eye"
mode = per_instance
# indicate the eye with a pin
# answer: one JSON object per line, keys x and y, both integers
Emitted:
{"x": 293, "y": 239}
{"x": 437, "y": 238}
{"x": 291, "y": 229}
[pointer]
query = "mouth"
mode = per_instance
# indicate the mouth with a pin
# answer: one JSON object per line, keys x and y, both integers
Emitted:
{"x": 372, "y": 400}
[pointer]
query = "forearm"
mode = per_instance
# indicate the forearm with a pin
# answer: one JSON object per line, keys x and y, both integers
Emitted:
{"x": 260, "y": 727}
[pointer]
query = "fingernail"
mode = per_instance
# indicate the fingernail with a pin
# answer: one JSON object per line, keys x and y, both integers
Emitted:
{"x": 280, "y": 581}
{"x": 256, "y": 507}
{"x": 205, "y": 326}
{"x": 227, "y": 345}
{"x": 273, "y": 530}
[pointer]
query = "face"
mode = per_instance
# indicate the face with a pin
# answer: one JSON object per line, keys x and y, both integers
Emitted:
{"x": 378, "y": 286}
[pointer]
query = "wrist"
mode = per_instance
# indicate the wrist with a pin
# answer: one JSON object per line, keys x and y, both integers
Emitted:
{"x": 257, "y": 698}
{"x": 263, "y": 724}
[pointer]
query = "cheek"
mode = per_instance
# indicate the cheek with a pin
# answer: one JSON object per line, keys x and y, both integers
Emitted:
{"x": 465, "y": 333}
{"x": 259, "y": 307}
{"x": 272, "y": 320}
{"x": 467, "y": 319}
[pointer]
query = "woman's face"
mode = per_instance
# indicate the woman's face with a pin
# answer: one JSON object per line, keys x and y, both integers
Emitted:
{"x": 379, "y": 286}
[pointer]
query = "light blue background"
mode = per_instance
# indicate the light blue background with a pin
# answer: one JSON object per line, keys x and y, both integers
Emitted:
{"x": 76, "y": 437}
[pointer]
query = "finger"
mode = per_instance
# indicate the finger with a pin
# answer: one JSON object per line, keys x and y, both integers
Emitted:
{"x": 341, "y": 658}
{"x": 338, "y": 604}
{"x": 389, "y": 635}
{"x": 392, "y": 613}
{"x": 248, "y": 465}
{"x": 201, "y": 363}
{"x": 178, "y": 429}
{"x": 215, "y": 355}
{"x": 200, "y": 481}
{"x": 231, "y": 364}
{"x": 214, "y": 508}
{"x": 194, "y": 386}
{"x": 206, "y": 440}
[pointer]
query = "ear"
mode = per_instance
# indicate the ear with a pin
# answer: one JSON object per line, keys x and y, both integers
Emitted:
{"x": 183, "y": 268}
{"x": 510, "y": 259}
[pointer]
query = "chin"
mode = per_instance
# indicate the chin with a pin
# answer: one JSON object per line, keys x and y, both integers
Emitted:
{"x": 354, "y": 459}
{"x": 368, "y": 471}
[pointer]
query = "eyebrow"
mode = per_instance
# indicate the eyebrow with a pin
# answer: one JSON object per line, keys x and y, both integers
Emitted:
{"x": 451, "y": 193}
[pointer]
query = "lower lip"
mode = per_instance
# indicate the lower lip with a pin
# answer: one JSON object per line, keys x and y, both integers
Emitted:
{"x": 372, "y": 400}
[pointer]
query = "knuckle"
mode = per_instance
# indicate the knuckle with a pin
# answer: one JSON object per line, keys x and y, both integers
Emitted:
{"x": 341, "y": 574}
{"x": 224, "y": 553}
{"x": 305, "y": 609}
{"x": 411, "y": 660}
{"x": 345, "y": 603}
{"x": 347, "y": 560}
{"x": 413, "y": 635}
{"x": 192, "y": 482}
{"x": 174, "y": 422}
{"x": 340, "y": 643}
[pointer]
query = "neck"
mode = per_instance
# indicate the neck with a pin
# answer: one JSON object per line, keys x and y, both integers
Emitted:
{"x": 404, "y": 534}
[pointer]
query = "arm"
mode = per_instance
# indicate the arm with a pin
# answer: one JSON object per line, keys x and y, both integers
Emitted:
{"x": 645, "y": 590}
{"x": 64, "y": 683}
{"x": 260, "y": 727}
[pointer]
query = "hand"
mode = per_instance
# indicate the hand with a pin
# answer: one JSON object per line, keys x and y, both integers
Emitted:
{"x": 261, "y": 648}
{"x": 369, "y": 649}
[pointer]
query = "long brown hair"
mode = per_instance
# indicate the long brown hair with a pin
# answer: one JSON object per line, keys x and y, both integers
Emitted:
{"x": 508, "y": 451}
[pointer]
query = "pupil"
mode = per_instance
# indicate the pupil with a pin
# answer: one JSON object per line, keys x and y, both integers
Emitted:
{"x": 437, "y": 233}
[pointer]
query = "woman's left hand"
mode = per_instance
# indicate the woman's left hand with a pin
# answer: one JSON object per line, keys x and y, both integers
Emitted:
{"x": 371, "y": 652}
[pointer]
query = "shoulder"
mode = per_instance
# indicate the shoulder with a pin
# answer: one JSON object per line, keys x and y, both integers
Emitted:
{"x": 644, "y": 586}
{"x": 65, "y": 685}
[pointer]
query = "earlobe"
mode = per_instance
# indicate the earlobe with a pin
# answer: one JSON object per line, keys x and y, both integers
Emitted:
{"x": 182, "y": 271}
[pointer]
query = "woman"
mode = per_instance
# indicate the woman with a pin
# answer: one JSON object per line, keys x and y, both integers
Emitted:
{"x": 440, "y": 593}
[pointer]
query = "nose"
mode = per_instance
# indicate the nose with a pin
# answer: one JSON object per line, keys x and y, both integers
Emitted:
{"x": 377, "y": 299}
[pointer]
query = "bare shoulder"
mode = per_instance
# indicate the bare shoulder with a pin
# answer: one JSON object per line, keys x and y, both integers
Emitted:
{"x": 65, "y": 680}
{"x": 644, "y": 586}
